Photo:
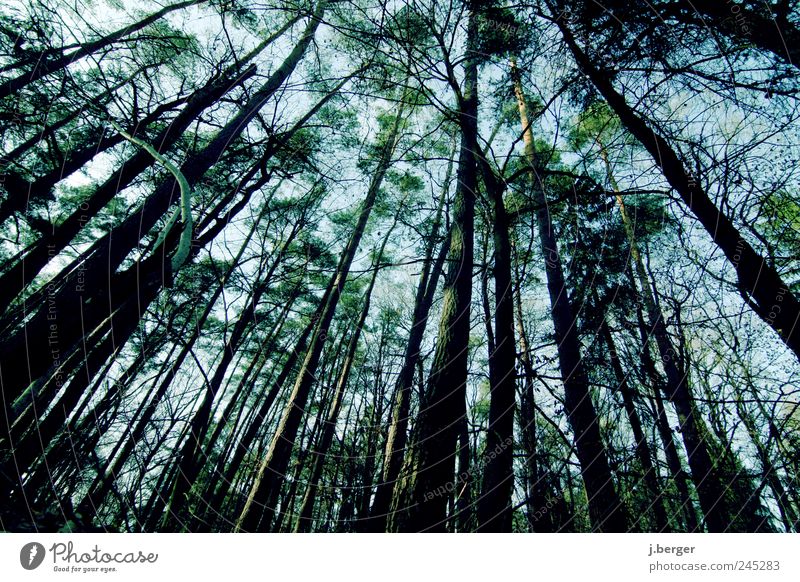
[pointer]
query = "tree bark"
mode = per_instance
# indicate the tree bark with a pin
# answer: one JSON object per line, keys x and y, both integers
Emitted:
{"x": 397, "y": 436}
{"x": 90, "y": 280}
{"x": 649, "y": 474}
{"x": 304, "y": 520}
{"x": 193, "y": 452}
{"x": 494, "y": 506}
{"x": 605, "y": 507}
{"x": 437, "y": 425}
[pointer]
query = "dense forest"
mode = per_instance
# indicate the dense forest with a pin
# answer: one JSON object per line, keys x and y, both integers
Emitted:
{"x": 372, "y": 266}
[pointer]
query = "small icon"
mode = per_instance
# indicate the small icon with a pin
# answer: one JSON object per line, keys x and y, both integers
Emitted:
{"x": 31, "y": 555}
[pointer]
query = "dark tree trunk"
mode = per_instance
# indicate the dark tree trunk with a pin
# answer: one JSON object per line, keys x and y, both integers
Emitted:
{"x": 397, "y": 437}
{"x": 41, "y": 189}
{"x": 494, "y": 506}
{"x": 254, "y": 427}
{"x": 710, "y": 488}
{"x": 655, "y": 498}
{"x": 605, "y": 507}
{"x": 51, "y": 243}
{"x": 437, "y": 425}
{"x": 90, "y": 279}
{"x": 319, "y": 454}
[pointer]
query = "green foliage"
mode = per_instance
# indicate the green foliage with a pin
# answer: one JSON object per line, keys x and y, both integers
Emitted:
{"x": 648, "y": 215}
{"x": 594, "y": 244}
{"x": 407, "y": 183}
{"x": 267, "y": 184}
{"x": 779, "y": 221}
{"x": 242, "y": 14}
{"x": 595, "y": 126}
{"x": 410, "y": 28}
{"x": 499, "y": 31}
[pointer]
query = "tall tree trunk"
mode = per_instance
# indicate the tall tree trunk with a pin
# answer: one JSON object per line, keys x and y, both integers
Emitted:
{"x": 249, "y": 436}
{"x": 654, "y": 494}
{"x": 231, "y": 418}
{"x": 102, "y": 482}
{"x": 536, "y": 495}
{"x": 193, "y": 452}
{"x": 494, "y": 506}
{"x": 125, "y": 307}
{"x": 680, "y": 477}
{"x": 397, "y": 437}
{"x": 91, "y": 279}
{"x": 605, "y": 507}
{"x": 305, "y": 516}
{"x": 82, "y": 433}
{"x": 437, "y": 425}
{"x": 710, "y": 489}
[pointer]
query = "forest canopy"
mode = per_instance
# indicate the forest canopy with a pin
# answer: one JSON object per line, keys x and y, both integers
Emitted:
{"x": 368, "y": 266}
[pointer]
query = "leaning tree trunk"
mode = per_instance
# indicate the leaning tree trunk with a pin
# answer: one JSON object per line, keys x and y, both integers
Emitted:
{"x": 305, "y": 515}
{"x": 655, "y": 497}
{"x": 90, "y": 280}
{"x": 49, "y": 129}
{"x": 759, "y": 282}
{"x": 250, "y": 434}
{"x": 33, "y": 259}
{"x": 22, "y": 197}
{"x": 102, "y": 483}
{"x": 710, "y": 488}
{"x": 46, "y": 66}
